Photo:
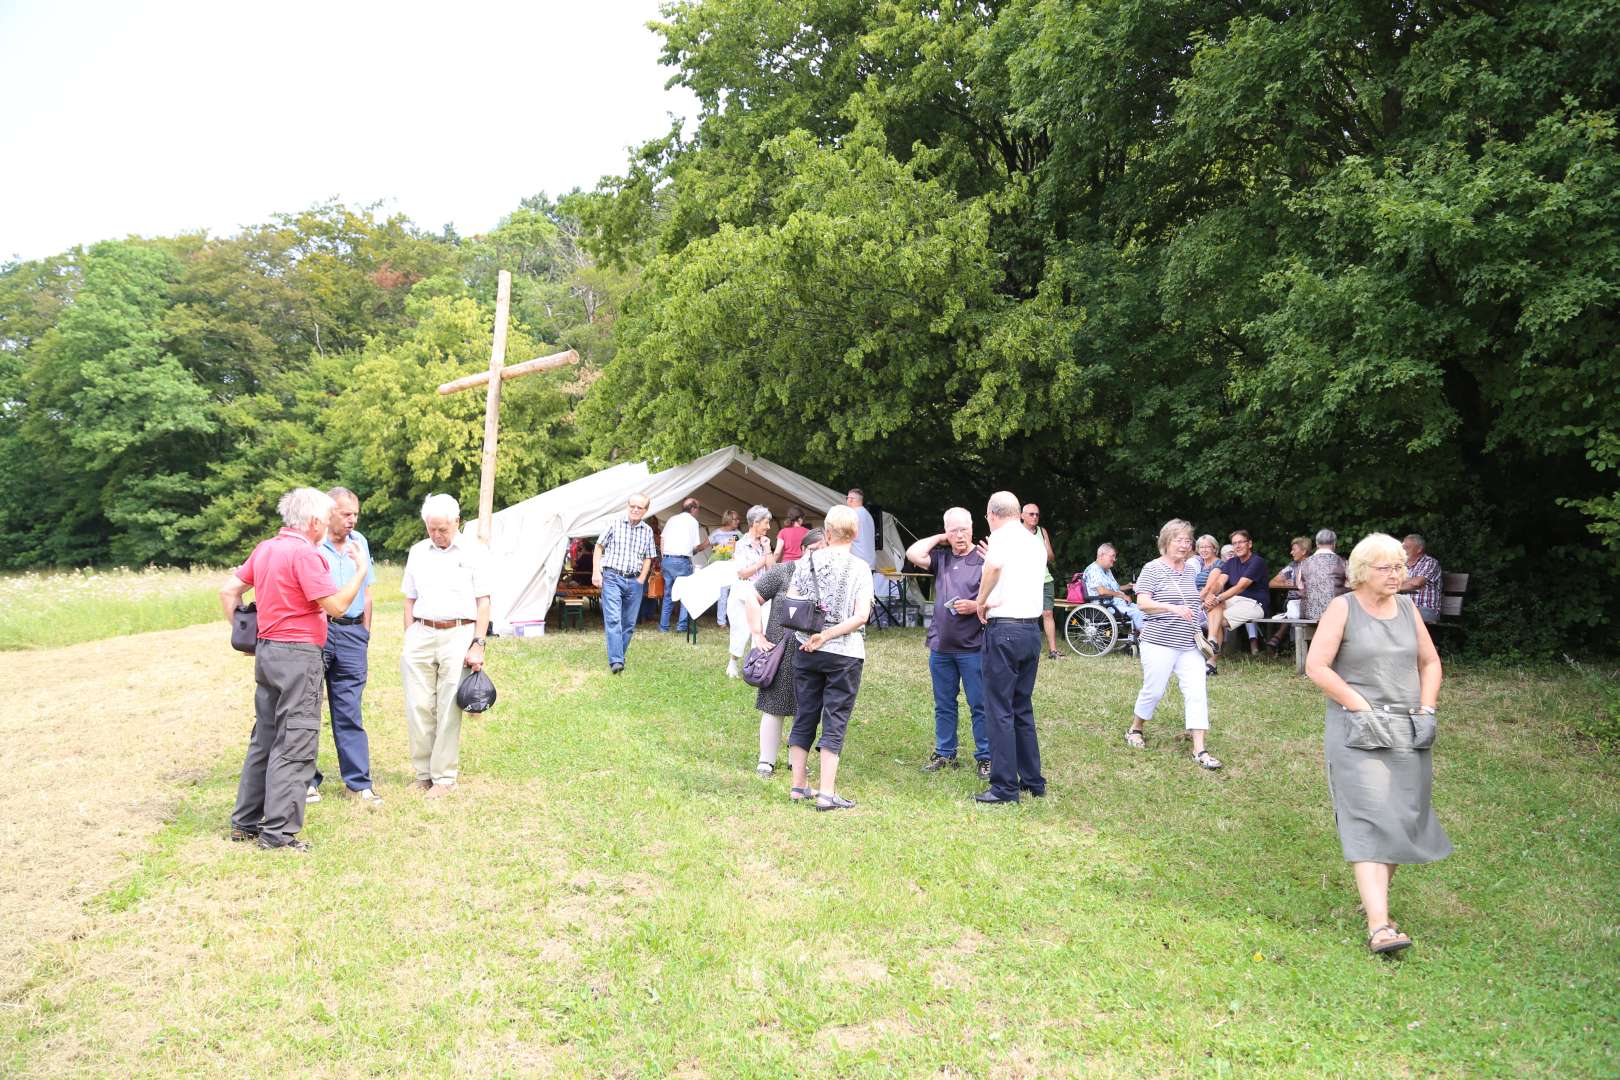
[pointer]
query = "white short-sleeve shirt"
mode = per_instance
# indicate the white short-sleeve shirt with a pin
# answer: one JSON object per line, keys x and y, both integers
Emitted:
{"x": 681, "y": 535}
{"x": 445, "y": 583}
{"x": 1021, "y": 557}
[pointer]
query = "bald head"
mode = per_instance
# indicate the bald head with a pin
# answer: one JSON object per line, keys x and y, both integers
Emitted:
{"x": 1003, "y": 506}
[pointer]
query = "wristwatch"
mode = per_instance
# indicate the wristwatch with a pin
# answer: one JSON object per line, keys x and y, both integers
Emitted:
{"x": 477, "y": 641}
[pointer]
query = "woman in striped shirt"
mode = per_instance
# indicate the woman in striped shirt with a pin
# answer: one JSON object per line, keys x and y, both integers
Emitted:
{"x": 1167, "y": 593}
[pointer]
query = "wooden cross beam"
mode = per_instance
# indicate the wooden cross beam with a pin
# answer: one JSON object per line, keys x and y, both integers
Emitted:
{"x": 498, "y": 373}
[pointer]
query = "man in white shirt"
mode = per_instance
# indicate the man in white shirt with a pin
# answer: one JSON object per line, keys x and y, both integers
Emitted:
{"x": 1009, "y": 604}
{"x": 682, "y": 540}
{"x": 446, "y": 587}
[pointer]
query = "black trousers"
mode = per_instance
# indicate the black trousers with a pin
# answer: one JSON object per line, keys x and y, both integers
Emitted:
{"x": 825, "y": 685}
{"x": 1011, "y": 656}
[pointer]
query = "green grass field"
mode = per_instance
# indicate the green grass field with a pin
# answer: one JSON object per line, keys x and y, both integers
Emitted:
{"x": 614, "y": 893}
{"x": 50, "y": 609}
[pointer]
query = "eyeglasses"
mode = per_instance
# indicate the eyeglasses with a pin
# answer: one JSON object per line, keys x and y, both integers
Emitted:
{"x": 1387, "y": 568}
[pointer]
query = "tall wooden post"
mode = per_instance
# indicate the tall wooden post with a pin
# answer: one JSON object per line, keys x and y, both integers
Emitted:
{"x": 492, "y": 409}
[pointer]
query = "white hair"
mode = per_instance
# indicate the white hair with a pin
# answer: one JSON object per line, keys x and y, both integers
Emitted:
{"x": 1104, "y": 547}
{"x": 441, "y": 506}
{"x": 1326, "y": 538}
{"x": 959, "y": 513}
{"x": 1004, "y": 504}
{"x": 757, "y": 513}
{"x": 302, "y": 505}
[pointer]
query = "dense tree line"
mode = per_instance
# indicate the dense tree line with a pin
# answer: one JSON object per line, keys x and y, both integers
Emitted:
{"x": 1272, "y": 265}
{"x": 1278, "y": 265}
{"x": 162, "y": 393}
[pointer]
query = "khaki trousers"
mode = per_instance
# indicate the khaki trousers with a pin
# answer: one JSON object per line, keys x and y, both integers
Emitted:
{"x": 431, "y": 668}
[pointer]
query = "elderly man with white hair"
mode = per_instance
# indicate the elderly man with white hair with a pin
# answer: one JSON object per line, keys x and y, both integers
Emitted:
{"x": 293, "y": 594}
{"x": 1009, "y": 604}
{"x": 446, "y": 585}
{"x": 955, "y": 636}
{"x": 1101, "y": 583}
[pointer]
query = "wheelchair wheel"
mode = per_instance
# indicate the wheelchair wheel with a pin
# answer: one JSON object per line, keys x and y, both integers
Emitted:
{"x": 1091, "y": 630}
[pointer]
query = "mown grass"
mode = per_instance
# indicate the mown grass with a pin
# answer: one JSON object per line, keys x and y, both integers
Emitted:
{"x": 50, "y": 609}
{"x": 613, "y": 892}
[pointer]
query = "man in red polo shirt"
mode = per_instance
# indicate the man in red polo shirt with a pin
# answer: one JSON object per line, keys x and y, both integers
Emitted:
{"x": 294, "y": 593}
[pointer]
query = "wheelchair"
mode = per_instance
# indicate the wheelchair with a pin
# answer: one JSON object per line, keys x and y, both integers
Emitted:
{"x": 1096, "y": 629}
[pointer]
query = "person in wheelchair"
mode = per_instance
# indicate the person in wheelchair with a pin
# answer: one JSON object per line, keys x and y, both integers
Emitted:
{"x": 1102, "y": 586}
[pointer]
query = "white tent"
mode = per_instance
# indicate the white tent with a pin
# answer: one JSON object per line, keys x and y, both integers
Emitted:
{"x": 529, "y": 539}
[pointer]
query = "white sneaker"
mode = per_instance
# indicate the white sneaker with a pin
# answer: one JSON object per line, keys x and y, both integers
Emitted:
{"x": 731, "y": 673}
{"x": 369, "y": 797}
{"x": 1204, "y": 646}
{"x": 312, "y": 795}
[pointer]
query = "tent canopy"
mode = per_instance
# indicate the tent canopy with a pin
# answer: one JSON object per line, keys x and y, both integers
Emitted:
{"x": 530, "y": 539}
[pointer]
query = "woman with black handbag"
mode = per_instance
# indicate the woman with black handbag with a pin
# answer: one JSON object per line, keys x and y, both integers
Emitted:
{"x": 827, "y": 606}
{"x": 775, "y": 700}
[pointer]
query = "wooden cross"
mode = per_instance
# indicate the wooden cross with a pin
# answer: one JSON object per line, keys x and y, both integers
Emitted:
{"x": 498, "y": 373}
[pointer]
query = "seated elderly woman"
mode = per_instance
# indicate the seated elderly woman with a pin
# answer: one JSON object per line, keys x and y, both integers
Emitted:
{"x": 775, "y": 700}
{"x": 1373, "y": 658}
{"x": 1210, "y": 579}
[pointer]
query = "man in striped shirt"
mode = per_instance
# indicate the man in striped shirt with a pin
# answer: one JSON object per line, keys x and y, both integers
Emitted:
{"x": 624, "y": 556}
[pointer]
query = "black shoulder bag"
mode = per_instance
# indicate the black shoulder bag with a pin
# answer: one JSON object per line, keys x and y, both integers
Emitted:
{"x": 804, "y": 614}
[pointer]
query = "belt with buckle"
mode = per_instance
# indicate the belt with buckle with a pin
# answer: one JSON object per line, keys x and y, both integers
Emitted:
{"x": 1004, "y": 619}
{"x": 348, "y": 620}
{"x": 445, "y": 624}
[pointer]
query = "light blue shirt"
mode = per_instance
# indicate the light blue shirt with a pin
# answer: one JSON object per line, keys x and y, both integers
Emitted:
{"x": 343, "y": 571}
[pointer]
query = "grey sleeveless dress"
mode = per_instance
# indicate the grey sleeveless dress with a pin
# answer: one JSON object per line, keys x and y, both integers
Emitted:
{"x": 1379, "y": 766}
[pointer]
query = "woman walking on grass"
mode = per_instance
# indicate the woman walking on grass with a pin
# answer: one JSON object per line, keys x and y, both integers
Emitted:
{"x": 1167, "y": 593}
{"x": 1373, "y": 658}
{"x": 775, "y": 700}
{"x": 828, "y": 674}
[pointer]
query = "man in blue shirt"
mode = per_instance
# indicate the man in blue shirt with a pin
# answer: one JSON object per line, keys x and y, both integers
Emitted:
{"x": 1101, "y": 584}
{"x": 347, "y": 637}
{"x": 1248, "y": 588}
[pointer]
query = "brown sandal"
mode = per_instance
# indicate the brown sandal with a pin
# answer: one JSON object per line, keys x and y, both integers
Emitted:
{"x": 1394, "y": 941}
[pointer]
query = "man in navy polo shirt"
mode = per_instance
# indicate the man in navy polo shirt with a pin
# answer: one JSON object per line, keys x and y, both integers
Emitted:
{"x": 1248, "y": 588}
{"x": 955, "y": 637}
{"x": 347, "y": 638}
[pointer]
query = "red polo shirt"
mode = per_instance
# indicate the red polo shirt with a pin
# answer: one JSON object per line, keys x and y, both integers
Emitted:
{"x": 288, "y": 575}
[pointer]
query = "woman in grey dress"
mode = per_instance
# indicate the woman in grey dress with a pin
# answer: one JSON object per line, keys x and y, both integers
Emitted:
{"x": 775, "y": 700}
{"x": 1374, "y": 659}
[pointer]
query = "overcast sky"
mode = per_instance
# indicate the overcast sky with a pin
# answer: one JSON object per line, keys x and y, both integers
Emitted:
{"x": 155, "y": 118}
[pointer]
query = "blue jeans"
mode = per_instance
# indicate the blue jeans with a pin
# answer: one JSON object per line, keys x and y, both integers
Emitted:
{"x": 947, "y": 670}
{"x": 675, "y": 566}
{"x": 1011, "y": 658}
{"x": 621, "y": 601}
{"x": 720, "y": 607}
{"x": 345, "y": 661}
{"x": 1129, "y": 610}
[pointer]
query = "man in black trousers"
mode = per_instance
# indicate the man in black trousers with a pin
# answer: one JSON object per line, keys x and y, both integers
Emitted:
{"x": 1009, "y": 604}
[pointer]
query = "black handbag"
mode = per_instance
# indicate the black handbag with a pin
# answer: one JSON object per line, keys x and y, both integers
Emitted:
{"x": 804, "y": 613}
{"x": 760, "y": 666}
{"x": 245, "y": 628}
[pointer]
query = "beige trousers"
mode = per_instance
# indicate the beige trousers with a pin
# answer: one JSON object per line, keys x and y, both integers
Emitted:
{"x": 431, "y": 668}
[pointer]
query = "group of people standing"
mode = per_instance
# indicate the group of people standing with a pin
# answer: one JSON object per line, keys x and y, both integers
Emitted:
{"x": 1372, "y": 655}
{"x": 311, "y": 587}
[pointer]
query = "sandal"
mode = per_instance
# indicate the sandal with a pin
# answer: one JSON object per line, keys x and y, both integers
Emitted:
{"x": 1209, "y": 669}
{"x": 1393, "y": 940}
{"x": 1207, "y": 760}
{"x": 801, "y": 794}
{"x": 828, "y": 801}
{"x": 1053, "y": 654}
{"x": 1135, "y": 740}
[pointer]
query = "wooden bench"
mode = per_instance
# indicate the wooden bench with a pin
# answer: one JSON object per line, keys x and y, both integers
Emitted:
{"x": 1453, "y": 588}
